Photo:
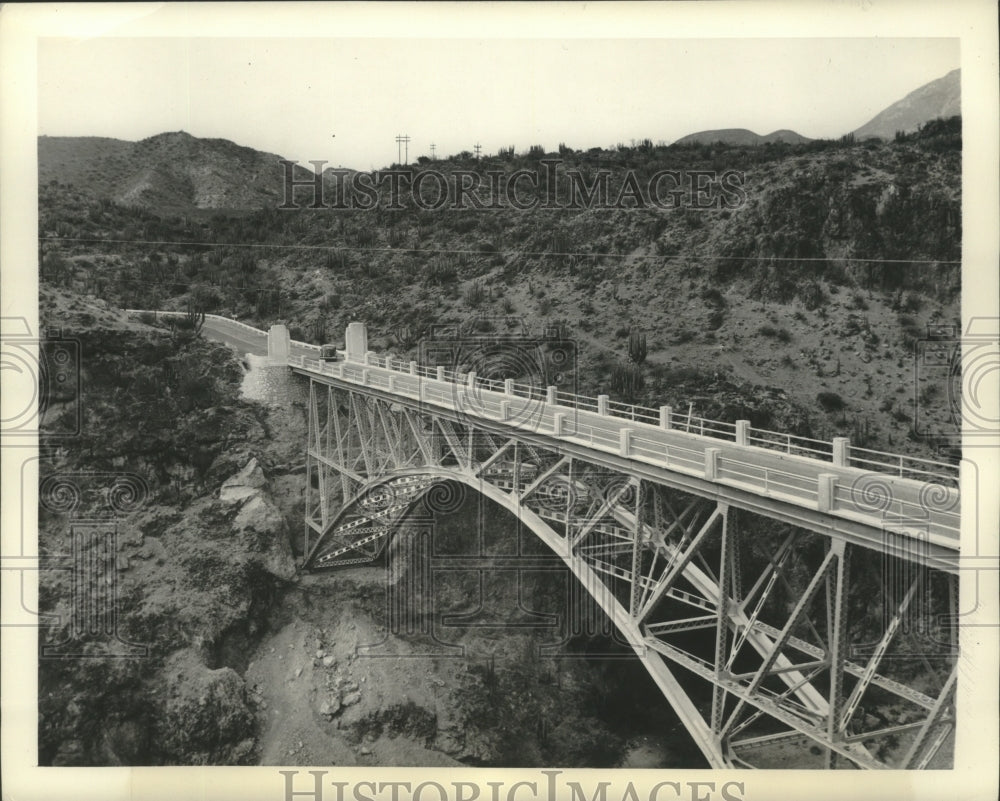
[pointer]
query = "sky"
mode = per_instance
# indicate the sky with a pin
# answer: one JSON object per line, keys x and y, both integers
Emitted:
{"x": 344, "y": 100}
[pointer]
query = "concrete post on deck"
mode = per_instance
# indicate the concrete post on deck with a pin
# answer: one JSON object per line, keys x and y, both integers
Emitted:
{"x": 355, "y": 343}
{"x": 826, "y": 487}
{"x": 712, "y": 463}
{"x": 602, "y": 405}
{"x": 279, "y": 346}
{"x": 841, "y": 447}
{"x": 742, "y": 432}
{"x": 550, "y": 396}
{"x": 666, "y": 412}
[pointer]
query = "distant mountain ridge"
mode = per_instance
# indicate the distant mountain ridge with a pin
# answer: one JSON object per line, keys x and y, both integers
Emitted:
{"x": 741, "y": 137}
{"x": 179, "y": 173}
{"x": 939, "y": 98}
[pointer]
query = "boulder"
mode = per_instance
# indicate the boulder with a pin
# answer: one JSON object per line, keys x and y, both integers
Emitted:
{"x": 261, "y": 526}
{"x": 330, "y": 707}
{"x": 244, "y": 484}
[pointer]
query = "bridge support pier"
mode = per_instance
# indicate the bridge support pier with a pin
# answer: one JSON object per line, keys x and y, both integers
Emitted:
{"x": 278, "y": 345}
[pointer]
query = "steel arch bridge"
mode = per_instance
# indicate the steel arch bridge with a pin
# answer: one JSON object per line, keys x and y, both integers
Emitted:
{"x": 662, "y": 528}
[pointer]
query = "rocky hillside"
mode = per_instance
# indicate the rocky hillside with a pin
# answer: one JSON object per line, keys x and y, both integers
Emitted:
{"x": 161, "y": 429}
{"x": 799, "y": 303}
{"x": 938, "y": 99}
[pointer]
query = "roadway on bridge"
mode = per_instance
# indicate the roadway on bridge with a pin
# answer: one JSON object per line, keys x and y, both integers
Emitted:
{"x": 247, "y": 340}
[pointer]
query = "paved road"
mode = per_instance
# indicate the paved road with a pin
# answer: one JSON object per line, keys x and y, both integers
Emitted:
{"x": 243, "y": 339}
{"x": 247, "y": 340}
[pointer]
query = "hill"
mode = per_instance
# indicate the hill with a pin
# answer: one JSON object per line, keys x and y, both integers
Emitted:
{"x": 741, "y": 137}
{"x": 171, "y": 172}
{"x": 939, "y": 98}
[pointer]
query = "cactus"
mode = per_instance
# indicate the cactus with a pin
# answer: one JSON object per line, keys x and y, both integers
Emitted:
{"x": 195, "y": 318}
{"x": 628, "y": 381}
{"x": 637, "y": 347}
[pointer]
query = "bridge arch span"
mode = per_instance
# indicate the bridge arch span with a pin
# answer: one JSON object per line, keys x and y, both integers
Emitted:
{"x": 392, "y": 508}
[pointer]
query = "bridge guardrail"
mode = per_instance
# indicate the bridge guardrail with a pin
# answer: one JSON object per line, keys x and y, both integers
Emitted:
{"x": 905, "y": 466}
{"x": 790, "y": 443}
{"x": 913, "y": 467}
{"x": 219, "y": 318}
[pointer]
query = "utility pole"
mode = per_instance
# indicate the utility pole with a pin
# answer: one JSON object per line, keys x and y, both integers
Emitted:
{"x": 432, "y": 151}
{"x": 400, "y": 142}
{"x": 478, "y": 149}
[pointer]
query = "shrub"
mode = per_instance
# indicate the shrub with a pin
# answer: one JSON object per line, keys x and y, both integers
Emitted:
{"x": 830, "y": 401}
{"x": 781, "y": 334}
{"x": 474, "y": 295}
{"x": 715, "y": 319}
{"x": 713, "y": 296}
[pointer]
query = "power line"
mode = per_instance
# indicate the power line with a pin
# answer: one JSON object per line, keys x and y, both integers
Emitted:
{"x": 358, "y": 249}
{"x": 401, "y": 140}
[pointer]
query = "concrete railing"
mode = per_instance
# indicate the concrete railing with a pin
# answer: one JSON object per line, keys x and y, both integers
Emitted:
{"x": 837, "y": 451}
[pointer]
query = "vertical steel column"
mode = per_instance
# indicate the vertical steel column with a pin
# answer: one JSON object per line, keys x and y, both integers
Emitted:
{"x": 637, "y": 545}
{"x": 721, "y": 625}
{"x": 342, "y": 456}
{"x": 310, "y": 433}
{"x": 322, "y": 467}
{"x": 736, "y": 561}
{"x": 837, "y": 641}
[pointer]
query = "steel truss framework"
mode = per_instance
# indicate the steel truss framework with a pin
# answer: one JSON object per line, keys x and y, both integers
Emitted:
{"x": 754, "y": 640}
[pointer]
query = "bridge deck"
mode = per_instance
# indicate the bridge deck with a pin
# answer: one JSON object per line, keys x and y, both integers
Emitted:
{"x": 899, "y": 506}
{"x": 916, "y": 520}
